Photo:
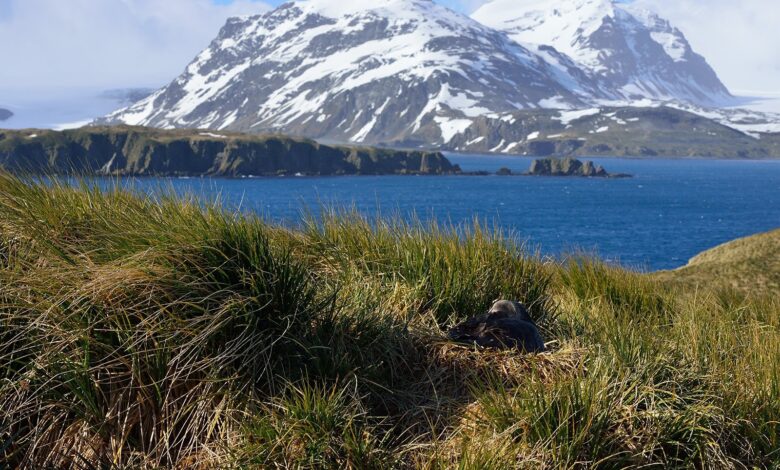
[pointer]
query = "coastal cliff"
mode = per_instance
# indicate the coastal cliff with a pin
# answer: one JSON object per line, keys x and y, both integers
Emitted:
{"x": 125, "y": 150}
{"x": 570, "y": 167}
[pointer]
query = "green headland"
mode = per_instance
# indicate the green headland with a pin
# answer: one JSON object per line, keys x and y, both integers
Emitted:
{"x": 140, "y": 151}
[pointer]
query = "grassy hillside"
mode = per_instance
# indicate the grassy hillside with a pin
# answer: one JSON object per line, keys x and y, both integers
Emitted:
{"x": 750, "y": 265}
{"x": 164, "y": 334}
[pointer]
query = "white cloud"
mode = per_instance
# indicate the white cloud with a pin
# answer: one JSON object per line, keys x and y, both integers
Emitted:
{"x": 106, "y": 43}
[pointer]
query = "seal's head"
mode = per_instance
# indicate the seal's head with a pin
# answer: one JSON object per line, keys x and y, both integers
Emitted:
{"x": 506, "y": 308}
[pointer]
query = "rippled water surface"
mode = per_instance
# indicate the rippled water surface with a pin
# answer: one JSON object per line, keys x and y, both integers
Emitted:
{"x": 670, "y": 211}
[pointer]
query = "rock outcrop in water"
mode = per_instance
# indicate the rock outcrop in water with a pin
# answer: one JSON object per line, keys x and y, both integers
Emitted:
{"x": 151, "y": 152}
{"x": 5, "y": 114}
{"x": 569, "y": 167}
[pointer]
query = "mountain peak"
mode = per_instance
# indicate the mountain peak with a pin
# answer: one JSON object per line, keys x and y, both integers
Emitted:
{"x": 339, "y": 8}
{"x": 398, "y": 11}
{"x": 346, "y": 71}
{"x": 632, "y": 53}
{"x": 559, "y": 23}
{"x": 415, "y": 73}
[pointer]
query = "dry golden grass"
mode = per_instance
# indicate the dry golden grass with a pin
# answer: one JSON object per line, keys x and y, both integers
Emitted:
{"x": 750, "y": 265}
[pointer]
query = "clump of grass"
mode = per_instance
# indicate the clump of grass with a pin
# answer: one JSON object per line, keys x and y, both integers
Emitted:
{"x": 626, "y": 294}
{"x": 449, "y": 272}
{"x": 601, "y": 415}
{"x": 314, "y": 426}
{"x": 164, "y": 333}
{"x": 145, "y": 320}
{"x": 736, "y": 341}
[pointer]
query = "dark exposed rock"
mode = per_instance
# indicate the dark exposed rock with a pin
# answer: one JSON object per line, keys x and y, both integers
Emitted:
{"x": 504, "y": 171}
{"x": 506, "y": 325}
{"x": 143, "y": 151}
{"x": 569, "y": 167}
{"x": 5, "y": 114}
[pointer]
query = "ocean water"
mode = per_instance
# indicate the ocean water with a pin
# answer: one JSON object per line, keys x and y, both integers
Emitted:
{"x": 670, "y": 211}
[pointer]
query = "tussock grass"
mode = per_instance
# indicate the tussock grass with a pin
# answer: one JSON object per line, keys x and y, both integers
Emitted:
{"x": 141, "y": 332}
{"x": 447, "y": 272}
{"x": 749, "y": 265}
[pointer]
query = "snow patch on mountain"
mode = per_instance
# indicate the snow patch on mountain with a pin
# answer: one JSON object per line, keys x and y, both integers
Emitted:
{"x": 567, "y": 117}
{"x": 752, "y": 123}
{"x": 452, "y": 127}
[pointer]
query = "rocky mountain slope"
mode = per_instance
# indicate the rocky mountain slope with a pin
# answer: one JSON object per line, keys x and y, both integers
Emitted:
{"x": 142, "y": 151}
{"x": 347, "y": 71}
{"x": 412, "y": 73}
{"x": 624, "y": 53}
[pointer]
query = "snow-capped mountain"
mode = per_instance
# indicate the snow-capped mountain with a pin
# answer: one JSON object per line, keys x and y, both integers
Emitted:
{"x": 627, "y": 53}
{"x": 414, "y": 73}
{"x": 349, "y": 70}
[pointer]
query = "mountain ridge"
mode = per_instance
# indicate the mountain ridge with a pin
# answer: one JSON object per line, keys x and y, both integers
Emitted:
{"x": 415, "y": 73}
{"x": 658, "y": 131}
{"x": 631, "y": 53}
{"x": 300, "y": 72}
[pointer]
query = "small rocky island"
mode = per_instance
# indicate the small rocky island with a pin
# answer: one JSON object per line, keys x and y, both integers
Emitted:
{"x": 140, "y": 151}
{"x": 570, "y": 167}
{"x": 5, "y": 114}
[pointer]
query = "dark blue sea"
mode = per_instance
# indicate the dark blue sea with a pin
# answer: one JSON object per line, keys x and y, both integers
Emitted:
{"x": 667, "y": 213}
